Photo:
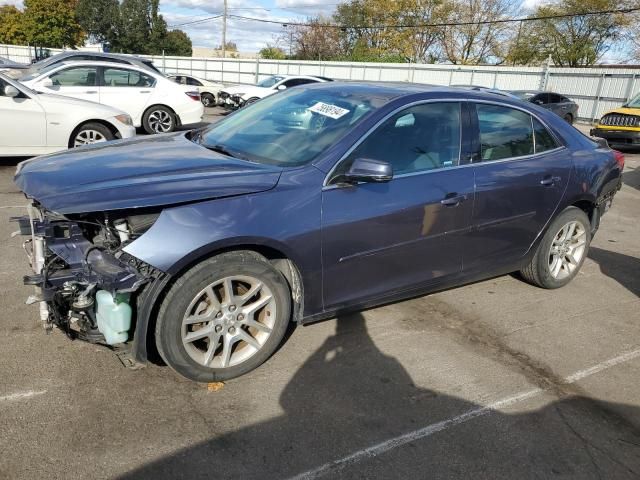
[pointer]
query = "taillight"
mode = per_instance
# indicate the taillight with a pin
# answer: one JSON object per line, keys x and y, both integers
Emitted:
{"x": 193, "y": 95}
{"x": 619, "y": 156}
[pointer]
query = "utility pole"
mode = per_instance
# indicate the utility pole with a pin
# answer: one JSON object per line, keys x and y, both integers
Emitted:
{"x": 224, "y": 31}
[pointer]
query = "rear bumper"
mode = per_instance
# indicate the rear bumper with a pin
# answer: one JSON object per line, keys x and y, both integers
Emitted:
{"x": 191, "y": 114}
{"x": 618, "y": 138}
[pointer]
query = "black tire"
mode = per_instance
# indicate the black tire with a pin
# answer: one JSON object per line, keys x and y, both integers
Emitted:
{"x": 208, "y": 100}
{"x": 85, "y": 130}
{"x": 568, "y": 118}
{"x": 250, "y": 101}
{"x": 538, "y": 271}
{"x": 159, "y": 115}
{"x": 168, "y": 333}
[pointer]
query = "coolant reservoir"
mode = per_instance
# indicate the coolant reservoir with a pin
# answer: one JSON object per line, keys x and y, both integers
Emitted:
{"x": 114, "y": 316}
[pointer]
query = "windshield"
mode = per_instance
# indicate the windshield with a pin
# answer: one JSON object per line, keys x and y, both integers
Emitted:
{"x": 291, "y": 128}
{"x": 37, "y": 73}
{"x": 270, "y": 82}
{"x": 634, "y": 102}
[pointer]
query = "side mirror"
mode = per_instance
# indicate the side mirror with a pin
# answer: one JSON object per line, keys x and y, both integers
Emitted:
{"x": 368, "y": 170}
{"x": 11, "y": 91}
{"x": 47, "y": 82}
{"x": 282, "y": 87}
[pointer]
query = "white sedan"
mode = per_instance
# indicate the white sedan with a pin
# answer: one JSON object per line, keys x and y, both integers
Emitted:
{"x": 208, "y": 89}
{"x": 37, "y": 123}
{"x": 240, "y": 95}
{"x": 153, "y": 101}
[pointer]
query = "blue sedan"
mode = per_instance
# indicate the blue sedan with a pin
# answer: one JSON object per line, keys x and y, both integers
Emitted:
{"x": 322, "y": 199}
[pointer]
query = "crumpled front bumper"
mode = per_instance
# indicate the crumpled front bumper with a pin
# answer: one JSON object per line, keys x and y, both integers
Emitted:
{"x": 80, "y": 266}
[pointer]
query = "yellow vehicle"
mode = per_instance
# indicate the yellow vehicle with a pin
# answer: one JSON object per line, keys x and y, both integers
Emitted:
{"x": 621, "y": 127}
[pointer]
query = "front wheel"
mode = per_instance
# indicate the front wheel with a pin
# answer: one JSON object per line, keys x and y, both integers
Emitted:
{"x": 568, "y": 118}
{"x": 561, "y": 252}
{"x": 91, "y": 133}
{"x": 208, "y": 100}
{"x": 224, "y": 317}
{"x": 159, "y": 119}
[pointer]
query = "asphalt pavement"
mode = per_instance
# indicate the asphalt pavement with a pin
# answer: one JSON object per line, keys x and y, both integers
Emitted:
{"x": 494, "y": 380}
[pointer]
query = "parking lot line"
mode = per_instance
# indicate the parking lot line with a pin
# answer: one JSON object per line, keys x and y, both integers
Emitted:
{"x": 21, "y": 395}
{"x": 387, "y": 445}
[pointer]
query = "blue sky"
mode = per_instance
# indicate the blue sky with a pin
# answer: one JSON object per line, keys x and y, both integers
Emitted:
{"x": 249, "y": 36}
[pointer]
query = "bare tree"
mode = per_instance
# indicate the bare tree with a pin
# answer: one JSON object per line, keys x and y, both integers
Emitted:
{"x": 471, "y": 41}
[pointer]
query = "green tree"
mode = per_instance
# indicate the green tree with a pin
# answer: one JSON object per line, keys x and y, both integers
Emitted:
{"x": 11, "y": 28}
{"x": 178, "y": 43}
{"x": 100, "y": 19}
{"x": 272, "y": 52}
{"x": 570, "y": 41}
{"x": 52, "y": 23}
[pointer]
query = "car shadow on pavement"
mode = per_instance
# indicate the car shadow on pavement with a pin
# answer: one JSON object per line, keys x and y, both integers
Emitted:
{"x": 624, "y": 269}
{"x": 349, "y": 396}
{"x": 632, "y": 178}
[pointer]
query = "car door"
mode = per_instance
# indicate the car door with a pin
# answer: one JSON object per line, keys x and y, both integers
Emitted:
{"x": 24, "y": 124}
{"x": 126, "y": 89}
{"x": 378, "y": 238}
{"x": 521, "y": 173}
{"x": 78, "y": 82}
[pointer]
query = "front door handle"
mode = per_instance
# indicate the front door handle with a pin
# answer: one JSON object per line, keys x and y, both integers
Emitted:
{"x": 453, "y": 200}
{"x": 91, "y": 91}
{"x": 549, "y": 181}
{"x": 145, "y": 91}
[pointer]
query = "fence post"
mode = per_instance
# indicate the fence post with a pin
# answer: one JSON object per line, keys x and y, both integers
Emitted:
{"x": 596, "y": 104}
{"x": 495, "y": 78}
{"x": 450, "y": 77}
{"x": 545, "y": 78}
{"x": 630, "y": 88}
{"x": 473, "y": 71}
{"x": 163, "y": 63}
{"x": 257, "y": 76}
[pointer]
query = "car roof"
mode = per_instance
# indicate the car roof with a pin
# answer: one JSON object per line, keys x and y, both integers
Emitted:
{"x": 104, "y": 64}
{"x": 393, "y": 90}
{"x": 131, "y": 58}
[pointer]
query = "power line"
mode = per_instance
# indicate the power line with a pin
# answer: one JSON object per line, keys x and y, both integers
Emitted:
{"x": 411, "y": 25}
{"x": 448, "y": 24}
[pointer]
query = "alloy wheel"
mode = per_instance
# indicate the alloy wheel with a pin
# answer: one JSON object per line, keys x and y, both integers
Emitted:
{"x": 160, "y": 121}
{"x": 567, "y": 249}
{"x": 87, "y": 137}
{"x": 229, "y": 321}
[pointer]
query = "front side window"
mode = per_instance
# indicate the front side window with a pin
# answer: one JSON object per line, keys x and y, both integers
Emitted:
{"x": 193, "y": 81}
{"x": 75, "y": 77}
{"x": 504, "y": 132}
{"x": 121, "y": 77}
{"x": 420, "y": 138}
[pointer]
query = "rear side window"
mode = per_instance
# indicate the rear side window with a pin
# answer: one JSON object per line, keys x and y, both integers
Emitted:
{"x": 504, "y": 132}
{"x": 120, "y": 77}
{"x": 193, "y": 81}
{"x": 544, "y": 140}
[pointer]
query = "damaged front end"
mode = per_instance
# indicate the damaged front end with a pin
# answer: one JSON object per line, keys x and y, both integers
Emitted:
{"x": 84, "y": 282}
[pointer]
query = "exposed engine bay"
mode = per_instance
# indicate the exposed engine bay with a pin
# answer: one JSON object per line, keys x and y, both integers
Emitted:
{"x": 84, "y": 282}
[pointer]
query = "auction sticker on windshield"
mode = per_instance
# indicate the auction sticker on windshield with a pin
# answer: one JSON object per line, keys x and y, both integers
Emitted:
{"x": 329, "y": 110}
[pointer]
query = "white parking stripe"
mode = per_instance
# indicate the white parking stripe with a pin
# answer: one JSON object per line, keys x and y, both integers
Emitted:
{"x": 21, "y": 395}
{"x": 380, "y": 448}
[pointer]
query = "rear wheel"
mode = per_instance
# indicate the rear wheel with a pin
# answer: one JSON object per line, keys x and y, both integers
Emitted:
{"x": 159, "y": 119}
{"x": 251, "y": 100}
{"x": 208, "y": 100}
{"x": 561, "y": 252}
{"x": 224, "y": 317}
{"x": 91, "y": 133}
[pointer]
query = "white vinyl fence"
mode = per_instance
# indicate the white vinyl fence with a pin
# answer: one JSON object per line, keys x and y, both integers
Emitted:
{"x": 596, "y": 90}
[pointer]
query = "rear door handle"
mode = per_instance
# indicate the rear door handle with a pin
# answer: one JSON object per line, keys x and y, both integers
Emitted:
{"x": 91, "y": 91}
{"x": 453, "y": 201}
{"x": 145, "y": 91}
{"x": 549, "y": 181}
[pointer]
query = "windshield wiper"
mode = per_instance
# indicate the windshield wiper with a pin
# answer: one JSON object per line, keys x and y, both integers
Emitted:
{"x": 223, "y": 150}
